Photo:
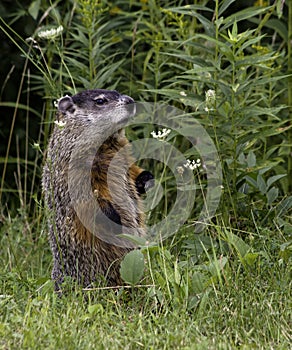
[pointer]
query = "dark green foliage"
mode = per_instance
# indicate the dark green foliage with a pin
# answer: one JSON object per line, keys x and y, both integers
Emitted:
{"x": 157, "y": 52}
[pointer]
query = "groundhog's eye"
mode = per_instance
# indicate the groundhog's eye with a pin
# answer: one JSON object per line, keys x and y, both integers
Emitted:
{"x": 100, "y": 101}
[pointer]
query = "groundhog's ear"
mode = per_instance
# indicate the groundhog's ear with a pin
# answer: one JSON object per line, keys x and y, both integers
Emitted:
{"x": 65, "y": 104}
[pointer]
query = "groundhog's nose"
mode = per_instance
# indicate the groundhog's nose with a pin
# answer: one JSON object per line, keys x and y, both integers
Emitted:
{"x": 126, "y": 99}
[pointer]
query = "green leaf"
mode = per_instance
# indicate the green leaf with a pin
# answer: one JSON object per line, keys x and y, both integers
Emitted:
{"x": 280, "y": 5}
{"x": 34, "y": 8}
{"x": 261, "y": 185}
{"x": 273, "y": 179}
{"x": 241, "y": 158}
{"x": 272, "y": 195}
{"x": 250, "y": 42}
{"x": 240, "y": 246}
{"x": 250, "y": 258}
{"x": 199, "y": 282}
{"x": 256, "y": 59}
{"x": 189, "y": 9}
{"x": 284, "y": 206}
{"x": 132, "y": 267}
{"x": 224, "y": 6}
{"x": 244, "y": 14}
{"x": 234, "y": 30}
{"x": 95, "y": 309}
{"x": 286, "y": 250}
{"x": 217, "y": 265}
{"x": 251, "y": 159}
{"x": 279, "y": 26}
{"x": 192, "y": 10}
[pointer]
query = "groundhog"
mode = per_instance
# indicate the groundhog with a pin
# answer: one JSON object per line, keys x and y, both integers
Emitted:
{"x": 88, "y": 137}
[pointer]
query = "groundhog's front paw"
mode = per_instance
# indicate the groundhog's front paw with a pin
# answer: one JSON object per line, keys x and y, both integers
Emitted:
{"x": 144, "y": 181}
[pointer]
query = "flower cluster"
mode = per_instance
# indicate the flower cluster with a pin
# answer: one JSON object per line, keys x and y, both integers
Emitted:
{"x": 50, "y": 33}
{"x": 210, "y": 99}
{"x": 192, "y": 165}
{"x": 180, "y": 170}
{"x": 160, "y": 135}
{"x": 210, "y": 95}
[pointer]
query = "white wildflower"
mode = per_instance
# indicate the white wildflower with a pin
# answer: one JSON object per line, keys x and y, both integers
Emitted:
{"x": 182, "y": 93}
{"x": 160, "y": 135}
{"x": 180, "y": 170}
{"x": 60, "y": 123}
{"x": 36, "y": 146}
{"x": 192, "y": 165}
{"x": 31, "y": 39}
{"x": 50, "y": 33}
{"x": 210, "y": 94}
{"x": 210, "y": 97}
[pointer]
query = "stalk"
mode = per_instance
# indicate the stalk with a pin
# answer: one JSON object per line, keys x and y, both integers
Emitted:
{"x": 289, "y": 44}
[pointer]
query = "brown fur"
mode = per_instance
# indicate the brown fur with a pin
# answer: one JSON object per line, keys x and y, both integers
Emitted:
{"x": 77, "y": 252}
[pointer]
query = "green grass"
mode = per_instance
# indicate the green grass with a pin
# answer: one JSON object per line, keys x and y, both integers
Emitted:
{"x": 248, "y": 308}
{"x": 226, "y": 288}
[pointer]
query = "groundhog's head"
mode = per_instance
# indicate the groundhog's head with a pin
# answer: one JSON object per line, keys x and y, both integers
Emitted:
{"x": 92, "y": 105}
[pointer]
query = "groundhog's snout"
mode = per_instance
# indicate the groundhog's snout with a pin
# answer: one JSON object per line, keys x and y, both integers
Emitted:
{"x": 126, "y": 99}
{"x": 130, "y": 104}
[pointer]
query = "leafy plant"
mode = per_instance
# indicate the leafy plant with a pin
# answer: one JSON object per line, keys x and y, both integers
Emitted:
{"x": 132, "y": 267}
{"x": 241, "y": 74}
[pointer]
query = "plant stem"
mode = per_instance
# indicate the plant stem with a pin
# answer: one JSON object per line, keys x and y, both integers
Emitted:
{"x": 289, "y": 44}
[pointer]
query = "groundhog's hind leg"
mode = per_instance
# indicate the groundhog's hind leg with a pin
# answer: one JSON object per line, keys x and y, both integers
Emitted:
{"x": 57, "y": 277}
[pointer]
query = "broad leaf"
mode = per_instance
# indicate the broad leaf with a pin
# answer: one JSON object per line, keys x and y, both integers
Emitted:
{"x": 132, "y": 267}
